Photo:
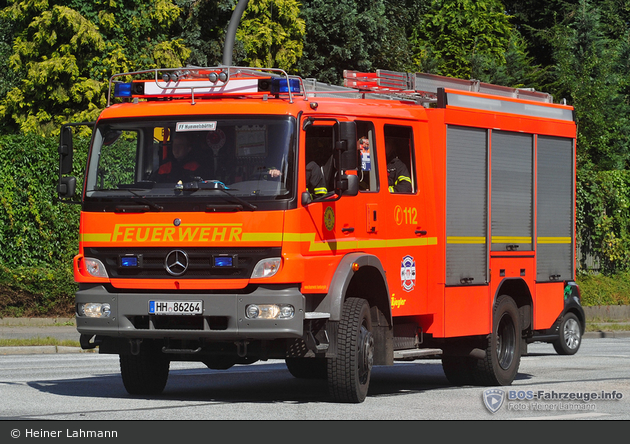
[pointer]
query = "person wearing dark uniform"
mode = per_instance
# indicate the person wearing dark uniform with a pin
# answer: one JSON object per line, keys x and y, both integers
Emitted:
{"x": 398, "y": 177}
{"x": 181, "y": 166}
{"x": 315, "y": 181}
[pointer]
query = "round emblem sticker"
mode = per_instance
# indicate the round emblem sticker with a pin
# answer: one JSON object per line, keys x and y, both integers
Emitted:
{"x": 329, "y": 218}
{"x": 408, "y": 273}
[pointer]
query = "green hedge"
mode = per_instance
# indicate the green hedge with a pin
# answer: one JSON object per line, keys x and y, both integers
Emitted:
{"x": 35, "y": 230}
{"x": 605, "y": 290}
{"x": 603, "y": 220}
{"x": 38, "y": 235}
{"x": 37, "y": 291}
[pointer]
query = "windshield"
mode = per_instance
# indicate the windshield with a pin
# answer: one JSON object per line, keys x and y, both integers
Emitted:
{"x": 243, "y": 160}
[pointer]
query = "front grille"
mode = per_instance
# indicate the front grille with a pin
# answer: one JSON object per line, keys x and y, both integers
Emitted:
{"x": 179, "y": 322}
{"x": 151, "y": 262}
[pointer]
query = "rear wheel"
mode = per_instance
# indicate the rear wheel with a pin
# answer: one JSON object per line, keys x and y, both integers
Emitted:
{"x": 458, "y": 369}
{"x": 570, "y": 336}
{"x": 349, "y": 372}
{"x": 145, "y": 373}
{"x": 503, "y": 351}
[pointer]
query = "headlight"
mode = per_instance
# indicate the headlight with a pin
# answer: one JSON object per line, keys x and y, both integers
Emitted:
{"x": 266, "y": 267}
{"x": 95, "y": 267}
{"x": 94, "y": 310}
{"x": 269, "y": 311}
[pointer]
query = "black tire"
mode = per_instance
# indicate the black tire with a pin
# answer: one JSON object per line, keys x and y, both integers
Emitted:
{"x": 349, "y": 373}
{"x": 308, "y": 368}
{"x": 570, "y": 335}
{"x": 458, "y": 369}
{"x": 145, "y": 373}
{"x": 503, "y": 352}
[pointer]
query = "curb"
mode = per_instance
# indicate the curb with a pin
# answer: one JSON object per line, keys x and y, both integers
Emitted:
{"x": 36, "y": 322}
{"x": 42, "y": 350}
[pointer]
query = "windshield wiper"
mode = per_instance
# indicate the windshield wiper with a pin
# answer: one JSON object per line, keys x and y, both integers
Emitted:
{"x": 244, "y": 203}
{"x": 216, "y": 185}
{"x": 141, "y": 200}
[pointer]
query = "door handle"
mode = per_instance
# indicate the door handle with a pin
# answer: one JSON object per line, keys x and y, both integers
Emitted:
{"x": 421, "y": 232}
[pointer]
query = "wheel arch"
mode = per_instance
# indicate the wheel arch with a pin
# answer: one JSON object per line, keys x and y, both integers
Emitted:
{"x": 367, "y": 282}
{"x": 572, "y": 303}
{"x": 519, "y": 291}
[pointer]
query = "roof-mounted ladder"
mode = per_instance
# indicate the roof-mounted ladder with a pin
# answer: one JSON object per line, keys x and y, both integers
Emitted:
{"x": 427, "y": 85}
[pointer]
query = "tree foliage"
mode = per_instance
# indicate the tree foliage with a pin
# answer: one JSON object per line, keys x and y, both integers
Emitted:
{"x": 271, "y": 32}
{"x": 64, "y": 56}
{"x": 451, "y": 33}
{"x": 587, "y": 73}
{"x": 351, "y": 35}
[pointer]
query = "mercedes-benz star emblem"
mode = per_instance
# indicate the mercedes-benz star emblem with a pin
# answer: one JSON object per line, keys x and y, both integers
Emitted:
{"x": 176, "y": 262}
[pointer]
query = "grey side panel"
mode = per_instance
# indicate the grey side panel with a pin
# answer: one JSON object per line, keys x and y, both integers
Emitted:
{"x": 466, "y": 206}
{"x": 512, "y": 191}
{"x": 554, "y": 239}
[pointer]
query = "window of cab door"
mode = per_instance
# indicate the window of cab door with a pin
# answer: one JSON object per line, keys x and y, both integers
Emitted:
{"x": 366, "y": 144}
{"x": 401, "y": 171}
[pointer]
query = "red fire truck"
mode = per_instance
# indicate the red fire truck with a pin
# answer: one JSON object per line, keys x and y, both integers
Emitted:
{"x": 231, "y": 214}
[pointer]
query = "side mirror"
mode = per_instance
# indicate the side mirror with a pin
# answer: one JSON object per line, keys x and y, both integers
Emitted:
{"x": 67, "y": 186}
{"x": 347, "y": 145}
{"x": 348, "y": 185}
{"x": 65, "y": 151}
{"x": 306, "y": 198}
{"x": 353, "y": 186}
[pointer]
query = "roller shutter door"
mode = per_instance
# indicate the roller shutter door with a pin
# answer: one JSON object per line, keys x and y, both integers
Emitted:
{"x": 466, "y": 206}
{"x": 554, "y": 240}
{"x": 512, "y": 191}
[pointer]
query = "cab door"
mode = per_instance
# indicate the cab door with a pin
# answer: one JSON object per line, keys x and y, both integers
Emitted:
{"x": 404, "y": 221}
{"x": 330, "y": 219}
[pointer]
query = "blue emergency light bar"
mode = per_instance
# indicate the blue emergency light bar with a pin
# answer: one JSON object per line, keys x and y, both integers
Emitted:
{"x": 279, "y": 85}
{"x": 122, "y": 90}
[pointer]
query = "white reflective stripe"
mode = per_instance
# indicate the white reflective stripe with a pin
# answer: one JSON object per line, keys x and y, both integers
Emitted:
{"x": 316, "y": 315}
{"x": 200, "y": 87}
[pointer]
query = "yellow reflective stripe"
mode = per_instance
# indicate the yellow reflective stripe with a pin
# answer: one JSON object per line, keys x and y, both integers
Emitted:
{"x": 554, "y": 240}
{"x": 334, "y": 244}
{"x": 413, "y": 242}
{"x": 465, "y": 240}
{"x": 510, "y": 239}
{"x": 95, "y": 237}
{"x": 298, "y": 237}
{"x": 261, "y": 237}
{"x": 401, "y": 178}
{"x": 320, "y": 190}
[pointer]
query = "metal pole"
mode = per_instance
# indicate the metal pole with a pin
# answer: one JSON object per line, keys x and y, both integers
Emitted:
{"x": 231, "y": 32}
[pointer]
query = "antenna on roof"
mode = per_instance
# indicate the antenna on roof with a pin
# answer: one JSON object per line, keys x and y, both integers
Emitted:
{"x": 231, "y": 32}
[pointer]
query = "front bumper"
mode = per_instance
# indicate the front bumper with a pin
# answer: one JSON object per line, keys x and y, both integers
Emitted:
{"x": 223, "y": 318}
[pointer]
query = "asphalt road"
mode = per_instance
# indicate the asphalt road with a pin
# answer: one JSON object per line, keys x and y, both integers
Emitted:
{"x": 88, "y": 387}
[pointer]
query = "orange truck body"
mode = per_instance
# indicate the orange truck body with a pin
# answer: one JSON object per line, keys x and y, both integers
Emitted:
{"x": 430, "y": 263}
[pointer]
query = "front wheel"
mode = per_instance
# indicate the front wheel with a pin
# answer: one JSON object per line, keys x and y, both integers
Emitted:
{"x": 570, "y": 336}
{"x": 145, "y": 373}
{"x": 307, "y": 368}
{"x": 349, "y": 372}
{"x": 503, "y": 351}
